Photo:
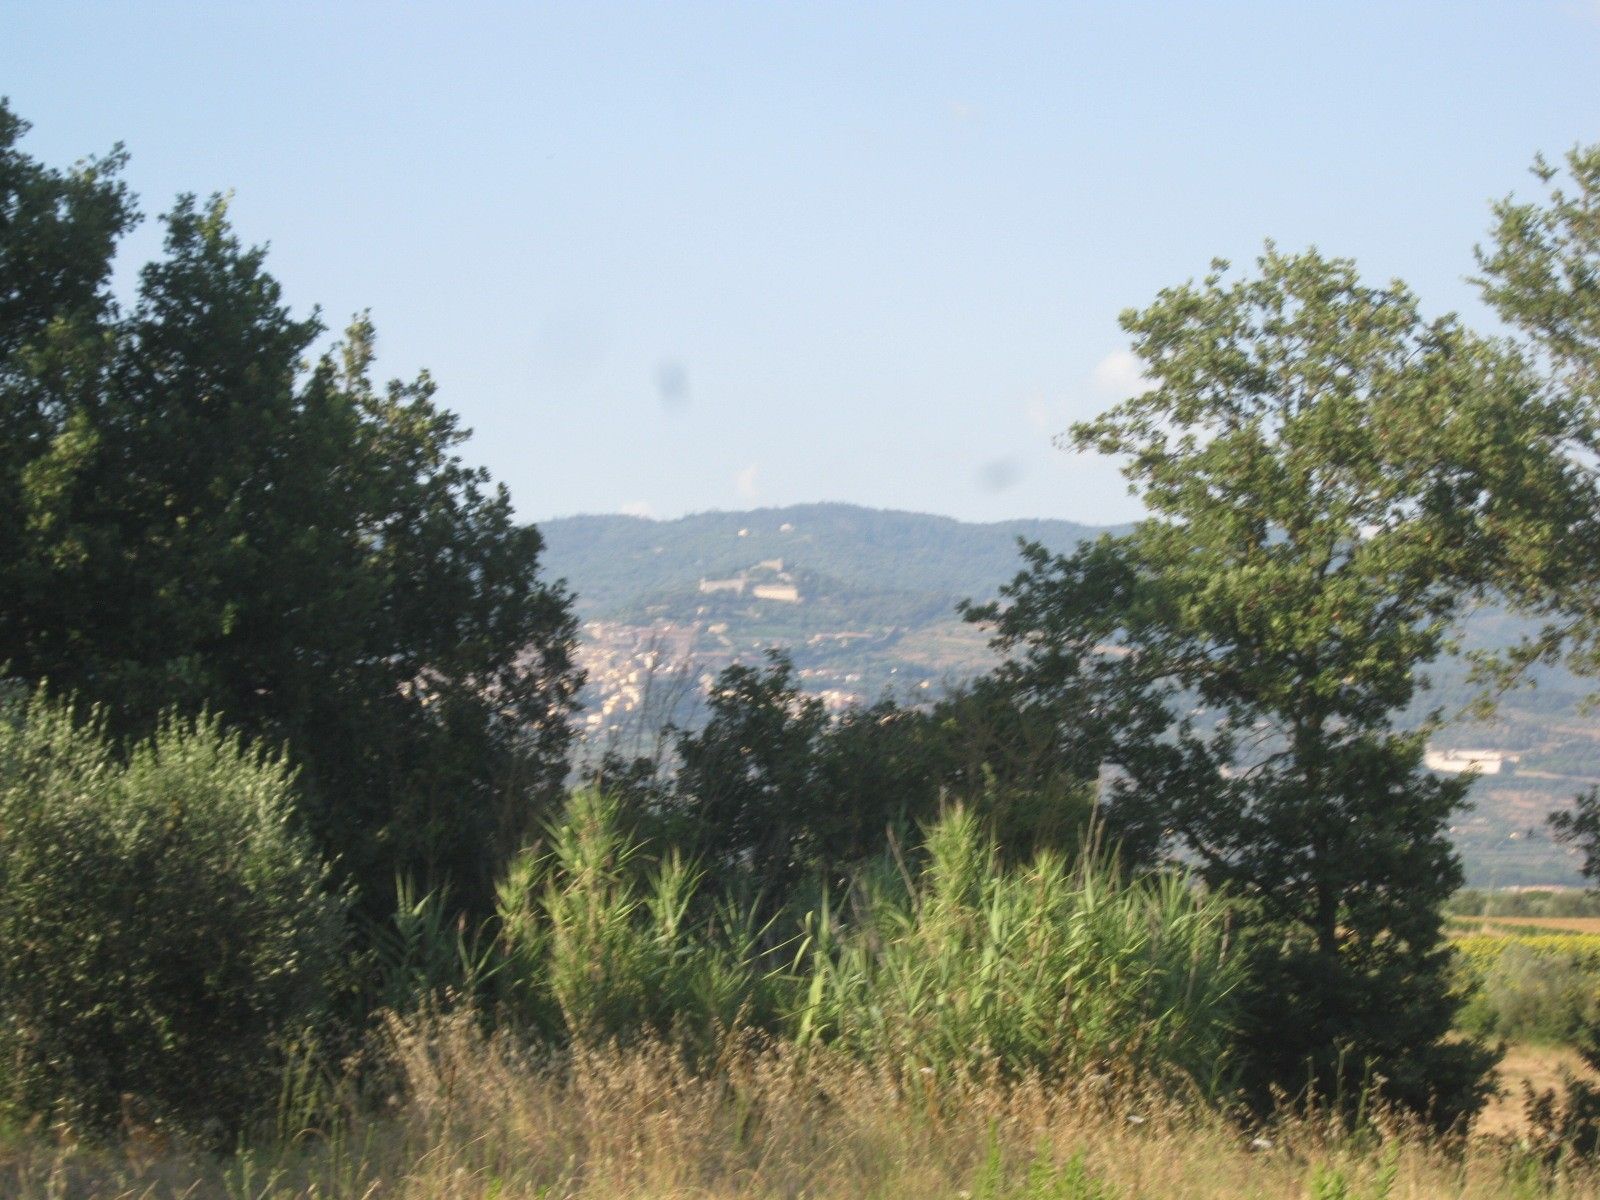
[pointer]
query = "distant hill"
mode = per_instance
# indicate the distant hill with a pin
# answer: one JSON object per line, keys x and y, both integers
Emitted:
{"x": 613, "y": 562}
{"x": 864, "y": 601}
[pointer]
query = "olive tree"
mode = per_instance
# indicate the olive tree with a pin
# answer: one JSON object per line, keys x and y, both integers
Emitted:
{"x": 167, "y": 931}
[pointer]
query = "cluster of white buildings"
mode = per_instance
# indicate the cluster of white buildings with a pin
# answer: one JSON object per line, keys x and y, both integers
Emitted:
{"x": 780, "y": 586}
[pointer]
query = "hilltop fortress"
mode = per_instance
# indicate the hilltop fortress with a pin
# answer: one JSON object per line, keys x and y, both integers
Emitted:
{"x": 766, "y": 580}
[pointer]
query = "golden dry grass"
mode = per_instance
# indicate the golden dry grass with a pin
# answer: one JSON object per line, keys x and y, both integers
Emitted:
{"x": 1540, "y": 1067}
{"x": 482, "y": 1121}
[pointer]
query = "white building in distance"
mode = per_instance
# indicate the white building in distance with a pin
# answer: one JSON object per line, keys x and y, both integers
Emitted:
{"x": 1458, "y": 762}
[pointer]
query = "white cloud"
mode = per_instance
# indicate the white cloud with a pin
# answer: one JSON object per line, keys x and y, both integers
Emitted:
{"x": 637, "y": 508}
{"x": 1118, "y": 376}
{"x": 745, "y": 481}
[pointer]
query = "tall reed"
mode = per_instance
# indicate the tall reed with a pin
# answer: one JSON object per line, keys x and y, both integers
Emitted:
{"x": 603, "y": 947}
{"x": 1054, "y": 967}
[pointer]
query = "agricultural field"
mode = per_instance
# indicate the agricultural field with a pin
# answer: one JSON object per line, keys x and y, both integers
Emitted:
{"x": 1509, "y": 926}
{"x": 1532, "y": 979}
{"x": 1535, "y": 986}
{"x": 1524, "y": 1066}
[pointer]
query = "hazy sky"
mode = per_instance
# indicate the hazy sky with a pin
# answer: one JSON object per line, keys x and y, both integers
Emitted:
{"x": 666, "y": 258}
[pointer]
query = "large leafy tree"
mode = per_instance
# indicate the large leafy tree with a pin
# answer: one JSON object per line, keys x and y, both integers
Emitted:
{"x": 1331, "y": 479}
{"x": 775, "y": 793}
{"x": 746, "y": 787}
{"x": 1541, "y": 273}
{"x": 198, "y": 516}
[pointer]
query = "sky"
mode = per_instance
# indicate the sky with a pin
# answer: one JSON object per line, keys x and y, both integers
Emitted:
{"x": 665, "y": 258}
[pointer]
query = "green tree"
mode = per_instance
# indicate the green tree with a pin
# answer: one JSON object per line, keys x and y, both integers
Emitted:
{"x": 198, "y": 517}
{"x": 1581, "y": 828}
{"x": 775, "y": 790}
{"x": 58, "y": 230}
{"x": 1541, "y": 273}
{"x": 746, "y": 787}
{"x": 1019, "y": 765}
{"x": 1331, "y": 480}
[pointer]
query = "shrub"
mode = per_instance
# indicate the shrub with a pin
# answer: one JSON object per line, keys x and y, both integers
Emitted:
{"x": 1533, "y": 992}
{"x": 164, "y": 930}
{"x": 1529, "y": 985}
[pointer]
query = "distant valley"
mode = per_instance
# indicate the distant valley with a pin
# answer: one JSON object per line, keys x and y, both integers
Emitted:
{"x": 864, "y": 601}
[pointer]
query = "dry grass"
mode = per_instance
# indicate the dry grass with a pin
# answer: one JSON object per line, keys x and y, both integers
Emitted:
{"x": 1542, "y": 1067}
{"x": 482, "y": 1121}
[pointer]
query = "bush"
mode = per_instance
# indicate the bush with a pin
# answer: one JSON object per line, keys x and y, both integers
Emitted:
{"x": 1538, "y": 989}
{"x": 164, "y": 930}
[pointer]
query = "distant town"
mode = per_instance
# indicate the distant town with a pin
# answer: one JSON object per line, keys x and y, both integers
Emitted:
{"x": 668, "y": 605}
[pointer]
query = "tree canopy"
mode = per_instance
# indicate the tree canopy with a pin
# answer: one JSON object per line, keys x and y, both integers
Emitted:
{"x": 1331, "y": 479}
{"x": 1541, "y": 273}
{"x": 204, "y": 513}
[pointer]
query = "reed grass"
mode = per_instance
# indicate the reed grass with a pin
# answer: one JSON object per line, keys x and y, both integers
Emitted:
{"x": 1054, "y": 967}
{"x": 958, "y": 1029}
{"x": 603, "y": 947}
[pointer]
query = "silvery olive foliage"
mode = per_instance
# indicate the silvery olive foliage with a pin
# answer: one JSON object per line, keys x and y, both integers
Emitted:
{"x": 166, "y": 930}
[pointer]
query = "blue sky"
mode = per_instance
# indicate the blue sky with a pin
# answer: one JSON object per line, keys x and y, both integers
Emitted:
{"x": 667, "y": 258}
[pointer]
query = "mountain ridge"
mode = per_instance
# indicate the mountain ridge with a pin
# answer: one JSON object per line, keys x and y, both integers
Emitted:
{"x": 610, "y": 559}
{"x": 875, "y": 613}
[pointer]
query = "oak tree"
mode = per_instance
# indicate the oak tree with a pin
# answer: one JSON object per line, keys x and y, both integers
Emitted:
{"x": 1541, "y": 273}
{"x": 1331, "y": 479}
{"x": 202, "y": 513}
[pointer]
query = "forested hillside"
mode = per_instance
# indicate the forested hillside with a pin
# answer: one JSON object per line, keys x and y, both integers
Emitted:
{"x": 615, "y": 562}
{"x": 876, "y": 613}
